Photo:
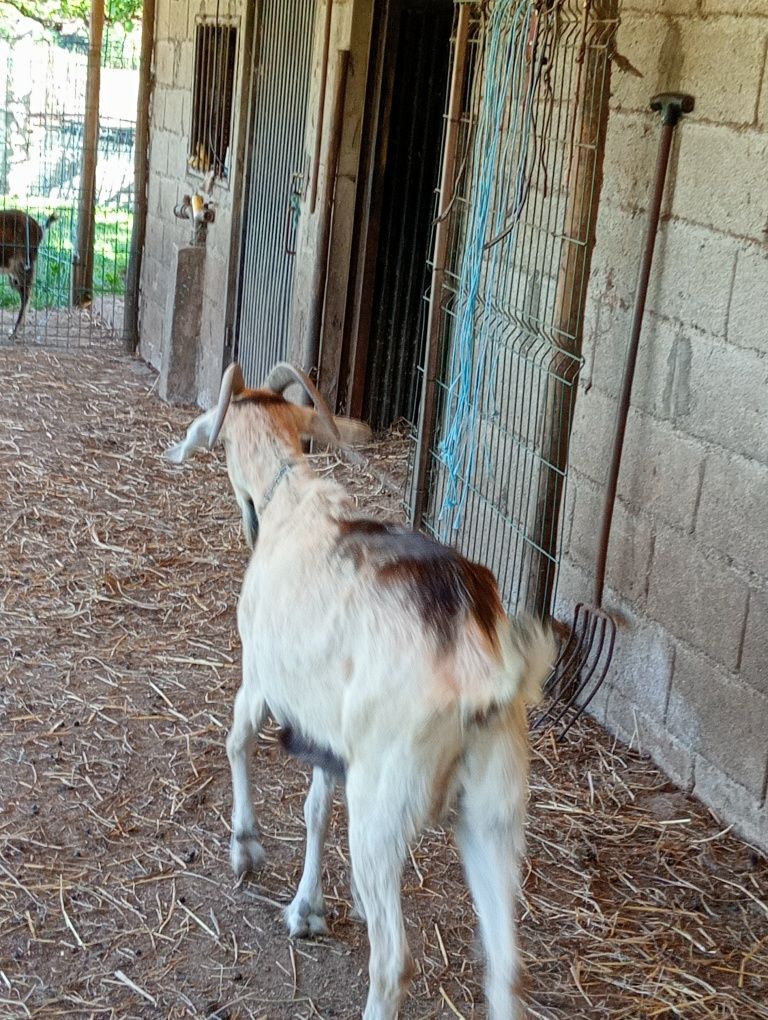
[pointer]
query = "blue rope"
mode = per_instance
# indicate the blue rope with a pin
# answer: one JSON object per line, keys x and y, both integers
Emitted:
{"x": 503, "y": 96}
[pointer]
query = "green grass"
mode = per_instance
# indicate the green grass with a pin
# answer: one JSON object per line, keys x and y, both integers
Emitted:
{"x": 54, "y": 262}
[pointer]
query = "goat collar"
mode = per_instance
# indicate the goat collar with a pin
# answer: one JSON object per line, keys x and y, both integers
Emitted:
{"x": 282, "y": 471}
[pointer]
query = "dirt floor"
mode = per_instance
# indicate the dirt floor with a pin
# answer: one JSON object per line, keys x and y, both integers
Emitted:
{"x": 118, "y": 582}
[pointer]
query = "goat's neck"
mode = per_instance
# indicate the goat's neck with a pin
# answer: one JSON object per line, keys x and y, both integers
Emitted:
{"x": 292, "y": 481}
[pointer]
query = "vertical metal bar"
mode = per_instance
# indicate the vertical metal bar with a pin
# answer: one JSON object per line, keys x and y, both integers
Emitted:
{"x": 431, "y": 351}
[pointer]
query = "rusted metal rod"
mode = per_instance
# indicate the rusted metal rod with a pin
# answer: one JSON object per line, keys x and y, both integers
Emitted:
{"x": 672, "y": 106}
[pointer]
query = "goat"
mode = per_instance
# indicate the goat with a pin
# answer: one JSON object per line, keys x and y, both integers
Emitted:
{"x": 20, "y": 238}
{"x": 387, "y": 659}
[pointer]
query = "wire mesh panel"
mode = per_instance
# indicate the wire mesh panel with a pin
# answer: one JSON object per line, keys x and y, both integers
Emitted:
{"x": 43, "y": 77}
{"x": 275, "y": 181}
{"x": 520, "y": 227}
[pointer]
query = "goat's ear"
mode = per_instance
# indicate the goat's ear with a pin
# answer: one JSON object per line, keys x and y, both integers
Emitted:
{"x": 198, "y": 437}
{"x": 312, "y": 426}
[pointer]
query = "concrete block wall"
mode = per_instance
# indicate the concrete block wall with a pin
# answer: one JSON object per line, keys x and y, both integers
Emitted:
{"x": 170, "y": 178}
{"x": 688, "y": 561}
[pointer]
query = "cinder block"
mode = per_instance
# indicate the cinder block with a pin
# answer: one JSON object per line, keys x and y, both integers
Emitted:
{"x": 632, "y": 140}
{"x": 696, "y": 597}
{"x": 692, "y": 270}
{"x": 663, "y": 356}
{"x": 164, "y": 62}
{"x": 731, "y": 802}
{"x": 629, "y": 553}
{"x": 692, "y": 275}
{"x": 719, "y": 60}
{"x": 733, "y": 511}
{"x": 173, "y": 112}
{"x": 754, "y": 655}
{"x": 748, "y": 312}
{"x": 667, "y": 7}
{"x": 648, "y": 735}
{"x": 721, "y": 718}
{"x": 171, "y": 194}
{"x": 714, "y": 198}
{"x": 642, "y": 664}
{"x": 740, "y": 7}
{"x": 153, "y": 238}
{"x": 660, "y": 469}
{"x": 724, "y": 398}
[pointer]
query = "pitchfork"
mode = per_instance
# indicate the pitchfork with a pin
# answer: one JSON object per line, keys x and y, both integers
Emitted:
{"x": 586, "y": 655}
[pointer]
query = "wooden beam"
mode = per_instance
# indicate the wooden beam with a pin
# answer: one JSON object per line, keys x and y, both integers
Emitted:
{"x": 140, "y": 176}
{"x": 82, "y": 270}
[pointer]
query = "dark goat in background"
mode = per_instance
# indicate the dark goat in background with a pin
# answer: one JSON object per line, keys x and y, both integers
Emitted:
{"x": 20, "y": 238}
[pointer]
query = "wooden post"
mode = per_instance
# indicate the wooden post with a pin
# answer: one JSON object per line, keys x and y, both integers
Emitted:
{"x": 584, "y": 182}
{"x": 320, "y": 273}
{"x": 140, "y": 173}
{"x": 82, "y": 269}
{"x": 431, "y": 348}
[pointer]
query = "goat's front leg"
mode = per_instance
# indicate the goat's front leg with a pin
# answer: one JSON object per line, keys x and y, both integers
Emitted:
{"x": 306, "y": 913}
{"x": 245, "y": 851}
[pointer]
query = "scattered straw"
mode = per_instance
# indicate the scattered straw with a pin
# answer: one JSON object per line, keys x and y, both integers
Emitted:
{"x": 119, "y": 656}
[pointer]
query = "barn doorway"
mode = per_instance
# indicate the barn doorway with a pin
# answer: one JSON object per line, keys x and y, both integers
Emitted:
{"x": 405, "y": 106}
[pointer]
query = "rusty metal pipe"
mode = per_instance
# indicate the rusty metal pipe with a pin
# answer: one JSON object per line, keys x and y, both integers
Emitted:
{"x": 671, "y": 106}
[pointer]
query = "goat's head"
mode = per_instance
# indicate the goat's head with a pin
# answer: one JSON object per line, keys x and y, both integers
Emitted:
{"x": 260, "y": 429}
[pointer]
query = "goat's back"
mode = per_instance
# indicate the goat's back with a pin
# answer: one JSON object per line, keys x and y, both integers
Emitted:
{"x": 19, "y": 234}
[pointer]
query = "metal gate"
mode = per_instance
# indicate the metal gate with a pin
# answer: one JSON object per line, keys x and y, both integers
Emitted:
{"x": 513, "y": 240}
{"x": 279, "y": 95}
{"x": 42, "y": 139}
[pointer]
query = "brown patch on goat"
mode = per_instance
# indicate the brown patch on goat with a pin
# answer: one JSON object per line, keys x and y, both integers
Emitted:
{"x": 440, "y": 581}
{"x": 263, "y": 397}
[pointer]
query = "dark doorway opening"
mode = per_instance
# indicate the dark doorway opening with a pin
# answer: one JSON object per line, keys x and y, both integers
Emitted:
{"x": 406, "y": 100}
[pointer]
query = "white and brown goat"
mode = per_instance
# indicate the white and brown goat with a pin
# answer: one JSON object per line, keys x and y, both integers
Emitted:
{"x": 388, "y": 661}
{"x": 20, "y": 239}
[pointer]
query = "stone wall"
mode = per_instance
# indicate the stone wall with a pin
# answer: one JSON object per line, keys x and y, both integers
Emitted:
{"x": 688, "y": 561}
{"x": 170, "y": 178}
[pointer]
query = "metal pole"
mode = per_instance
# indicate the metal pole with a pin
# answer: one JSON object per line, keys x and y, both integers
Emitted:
{"x": 672, "y": 106}
{"x": 82, "y": 270}
{"x": 140, "y": 174}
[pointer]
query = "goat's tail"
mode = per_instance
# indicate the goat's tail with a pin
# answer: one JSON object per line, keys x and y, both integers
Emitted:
{"x": 512, "y": 673}
{"x": 533, "y": 646}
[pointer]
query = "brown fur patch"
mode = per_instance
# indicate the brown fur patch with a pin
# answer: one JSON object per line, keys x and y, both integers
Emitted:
{"x": 440, "y": 581}
{"x": 264, "y": 397}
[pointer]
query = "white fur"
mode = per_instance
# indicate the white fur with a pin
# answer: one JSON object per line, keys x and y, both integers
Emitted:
{"x": 329, "y": 650}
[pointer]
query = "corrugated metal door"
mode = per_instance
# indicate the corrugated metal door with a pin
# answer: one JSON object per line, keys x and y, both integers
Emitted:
{"x": 280, "y": 91}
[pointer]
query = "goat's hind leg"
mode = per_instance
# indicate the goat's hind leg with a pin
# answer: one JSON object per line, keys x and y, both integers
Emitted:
{"x": 22, "y": 284}
{"x": 245, "y": 851}
{"x": 490, "y": 837}
{"x": 305, "y": 915}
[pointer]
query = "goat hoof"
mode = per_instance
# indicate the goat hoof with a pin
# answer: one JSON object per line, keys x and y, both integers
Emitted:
{"x": 303, "y": 922}
{"x": 245, "y": 854}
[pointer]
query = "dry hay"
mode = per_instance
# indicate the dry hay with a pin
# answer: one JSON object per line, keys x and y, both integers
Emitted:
{"x": 100, "y": 324}
{"x": 119, "y": 577}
